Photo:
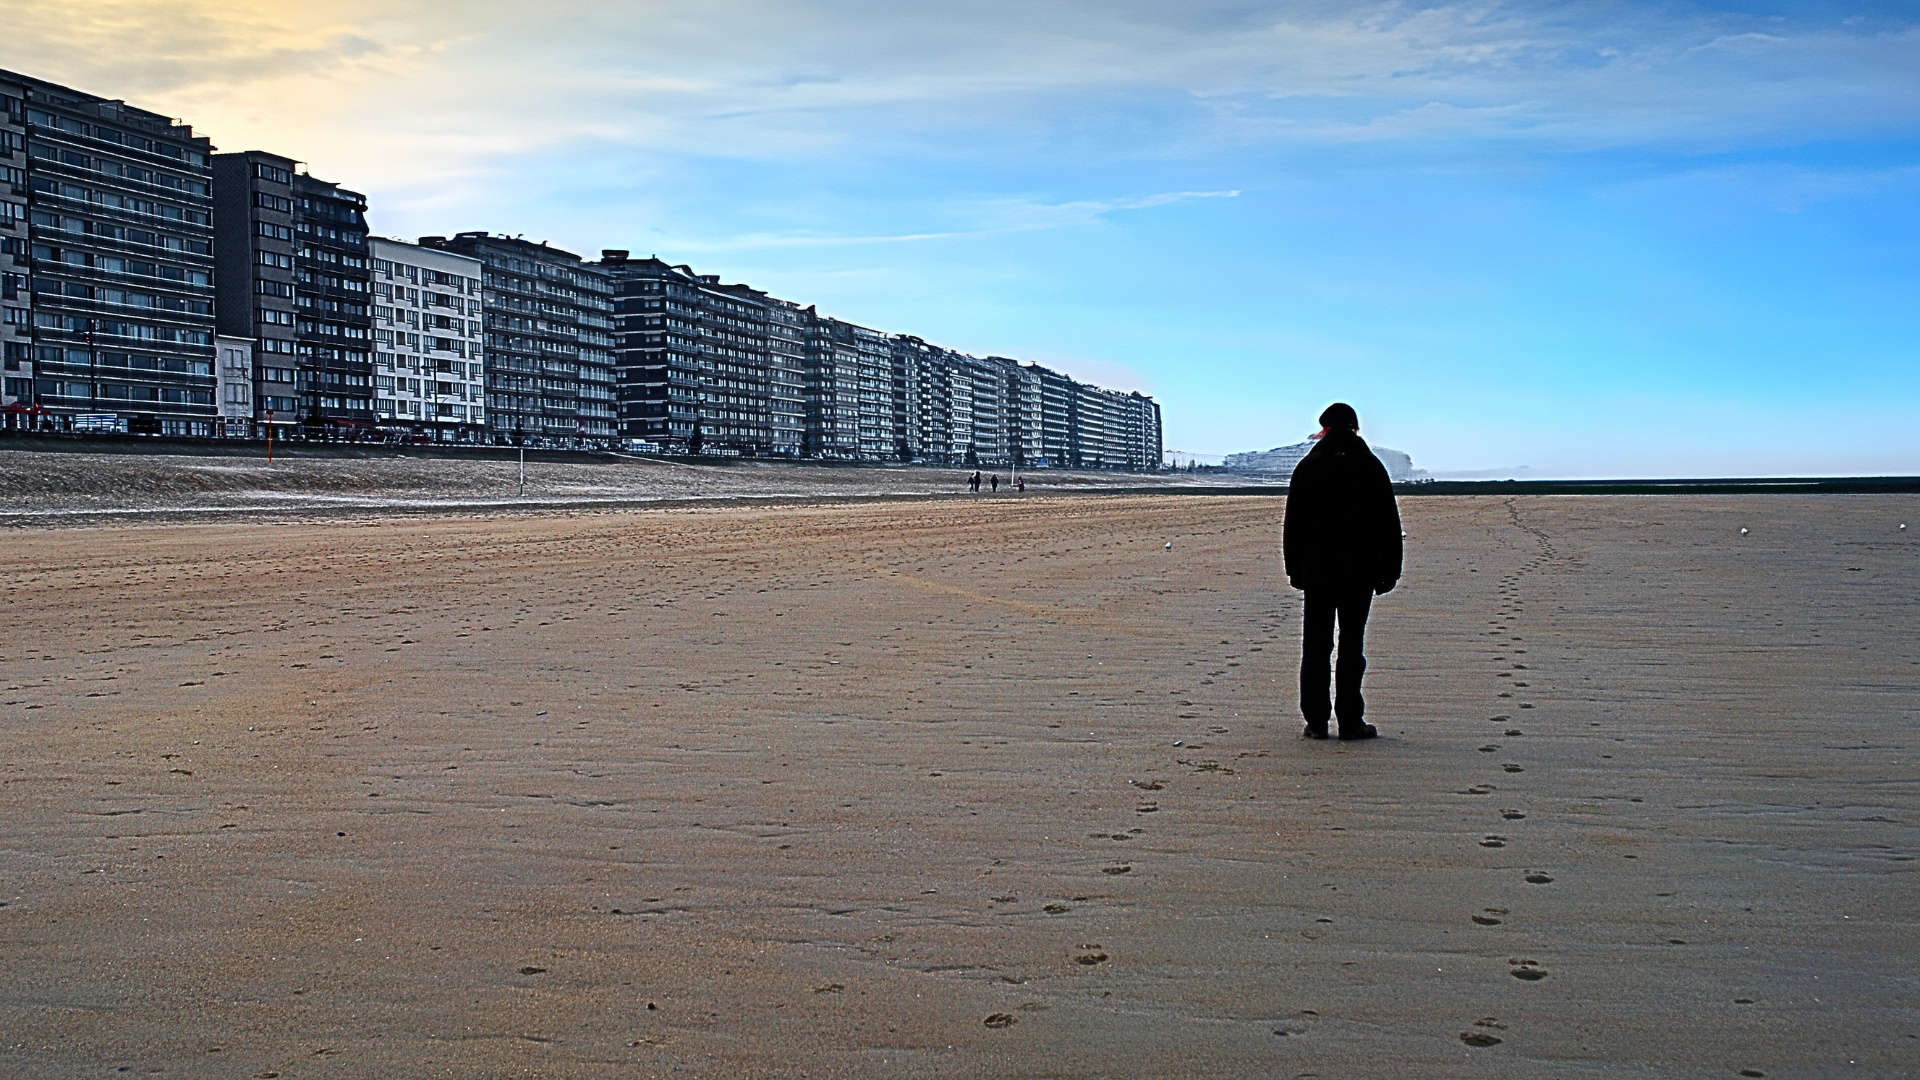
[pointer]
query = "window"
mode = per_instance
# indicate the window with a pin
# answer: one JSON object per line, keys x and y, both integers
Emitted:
{"x": 272, "y": 202}
{"x": 269, "y": 229}
{"x": 275, "y": 259}
{"x": 269, "y": 172}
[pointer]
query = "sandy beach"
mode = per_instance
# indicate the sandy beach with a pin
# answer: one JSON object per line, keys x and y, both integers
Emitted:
{"x": 995, "y": 787}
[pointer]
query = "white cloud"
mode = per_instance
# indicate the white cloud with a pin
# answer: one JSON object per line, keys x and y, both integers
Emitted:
{"x": 430, "y": 88}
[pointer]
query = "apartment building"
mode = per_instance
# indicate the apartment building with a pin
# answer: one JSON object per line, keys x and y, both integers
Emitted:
{"x": 107, "y": 294}
{"x": 656, "y": 349}
{"x": 786, "y": 376}
{"x": 547, "y": 336}
{"x": 233, "y": 386}
{"x": 832, "y": 388}
{"x": 733, "y": 414}
{"x": 296, "y": 278}
{"x": 1024, "y": 412}
{"x": 16, "y": 261}
{"x": 706, "y": 367}
{"x": 849, "y": 392}
{"x": 428, "y": 360}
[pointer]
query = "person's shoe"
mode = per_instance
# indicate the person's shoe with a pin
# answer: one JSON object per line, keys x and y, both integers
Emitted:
{"x": 1362, "y": 731}
{"x": 1314, "y": 731}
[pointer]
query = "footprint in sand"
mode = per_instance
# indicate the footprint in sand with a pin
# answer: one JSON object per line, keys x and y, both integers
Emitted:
{"x": 1483, "y": 1037}
{"x": 1478, "y": 789}
{"x": 1116, "y": 869}
{"x": 1488, "y": 749}
{"x": 1512, "y": 815}
{"x": 1479, "y": 1038}
{"x": 1494, "y": 841}
{"x": 1511, "y": 767}
{"x": 1000, "y": 1020}
{"x": 1527, "y": 970}
{"x": 1537, "y": 878}
{"x": 1291, "y": 1028}
{"x": 1489, "y": 920}
{"x": 1056, "y": 909}
{"x": 1090, "y": 958}
{"x": 533, "y": 971}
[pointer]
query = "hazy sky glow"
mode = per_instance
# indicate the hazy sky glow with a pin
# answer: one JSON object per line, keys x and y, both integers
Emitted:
{"x": 1605, "y": 239}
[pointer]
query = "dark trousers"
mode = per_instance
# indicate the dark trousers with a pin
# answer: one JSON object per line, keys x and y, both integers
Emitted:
{"x": 1350, "y": 605}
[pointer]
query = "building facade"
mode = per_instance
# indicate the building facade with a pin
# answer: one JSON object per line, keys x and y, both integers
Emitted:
{"x": 849, "y": 392}
{"x": 706, "y": 367}
{"x": 295, "y": 277}
{"x": 786, "y": 376}
{"x": 118, "y": 258}
{"x": 233, "y": 387}
{"x": 656, "y": 349}
{"x": 547, "y": 326}
{"x": 428, "y": 360}
{"x": 16, "y": 296}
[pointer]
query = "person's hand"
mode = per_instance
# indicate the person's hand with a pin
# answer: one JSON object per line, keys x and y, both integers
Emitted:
{"x": 1382, "y": 588}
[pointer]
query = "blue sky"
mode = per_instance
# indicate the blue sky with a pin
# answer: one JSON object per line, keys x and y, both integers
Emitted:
{"x": 1603, "y": 239}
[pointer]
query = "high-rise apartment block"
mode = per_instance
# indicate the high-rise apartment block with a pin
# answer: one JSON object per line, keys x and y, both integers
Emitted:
{"x": 548, "y": 340}
{"x": 703, "y": 365}
{"x": 849, "y": 393}
{"x": 295, "y": 276}
{"x": 233, "y": 386}
{"x": 108, "y": 294}
{"x": 427, "y": 330}
{"x": 16, "y": 262}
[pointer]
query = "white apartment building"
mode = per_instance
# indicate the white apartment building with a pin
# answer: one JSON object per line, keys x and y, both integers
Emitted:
{"x": 233, "y": 386}
{"x": 428, "y": 371}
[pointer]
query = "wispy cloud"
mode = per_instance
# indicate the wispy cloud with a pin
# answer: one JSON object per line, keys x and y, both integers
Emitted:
{"x": 998, "y": 216}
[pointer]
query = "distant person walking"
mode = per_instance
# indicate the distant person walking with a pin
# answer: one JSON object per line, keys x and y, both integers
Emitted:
{"x": 996, "y": 483}
{"x": 973, "y": 482}
{"x": 1341, "y": 544}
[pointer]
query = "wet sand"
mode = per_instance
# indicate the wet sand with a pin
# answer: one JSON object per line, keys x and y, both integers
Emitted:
{"x": 986, "y": 788}
{"x": 41, "y": 489}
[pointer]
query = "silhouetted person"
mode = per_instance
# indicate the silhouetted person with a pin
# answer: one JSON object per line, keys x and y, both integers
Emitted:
{"x": 1341, "y": 543}
{"x": 995, "y": 480}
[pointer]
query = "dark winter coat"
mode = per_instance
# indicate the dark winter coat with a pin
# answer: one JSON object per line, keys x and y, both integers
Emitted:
{"x": 1342, "y": 526}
